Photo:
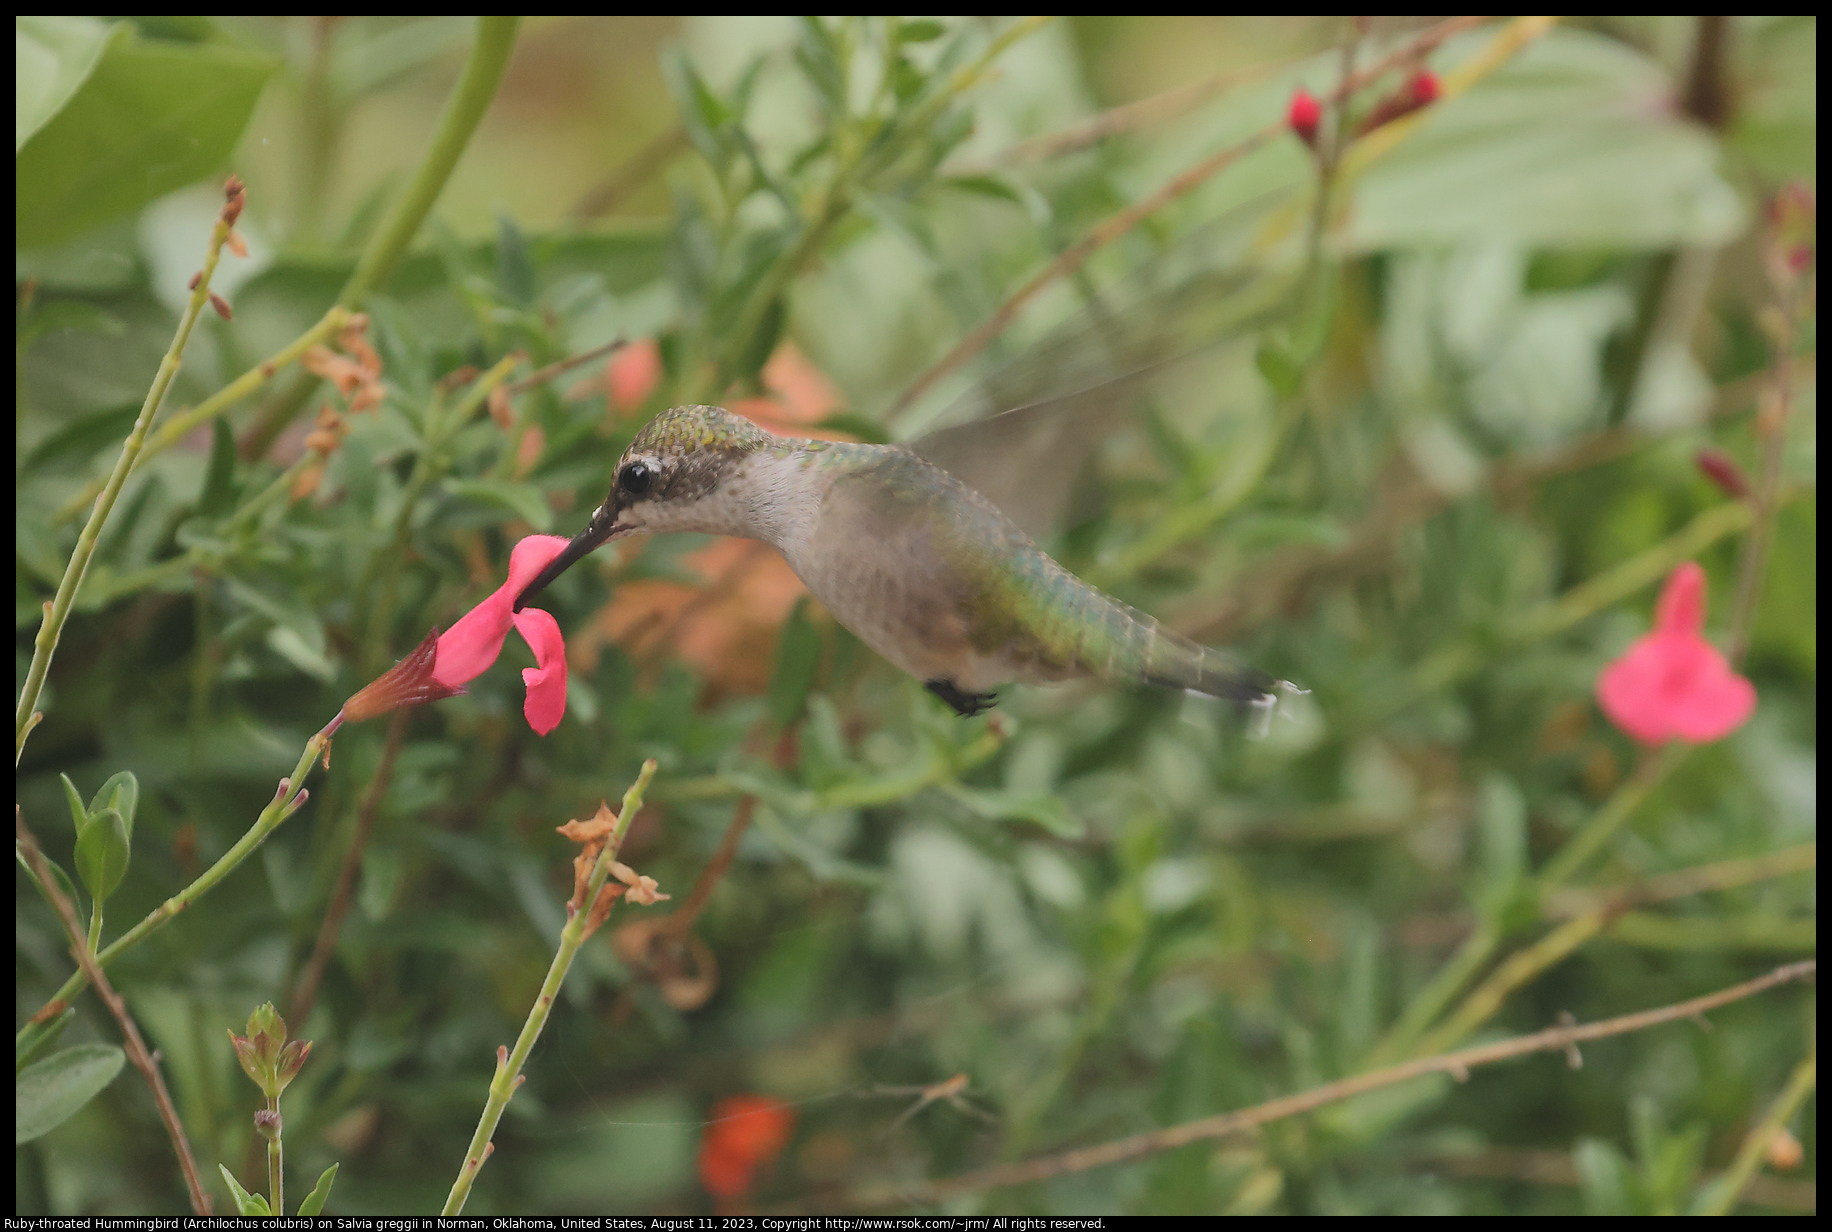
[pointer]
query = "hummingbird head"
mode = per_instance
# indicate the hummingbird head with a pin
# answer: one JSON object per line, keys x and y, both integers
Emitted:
{"x": 675, "y": 476}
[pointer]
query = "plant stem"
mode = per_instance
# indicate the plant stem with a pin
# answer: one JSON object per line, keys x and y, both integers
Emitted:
{"x": 58, "y": 610}
{"x": 306, "y": 992}
{"x": 1118, "y": 224}
{"x": 509, "y": 1062}
{"x": 1721, "y": 1196}
{"x": 439, "y": 429}
{"x": 1771, "y": 425}
{"x": 180, "y": 425}
{"x": 1481, "y": 945}
{"x": 1457, "y": 1064}
{"x": 276, "y": 1172}
{"x": 287, "y": 800}
{"x": 1518, "y": 970}
{"x": 90, "y": 967}
{"x": 470, "y": 98}
{"x": 1618, "y": 809}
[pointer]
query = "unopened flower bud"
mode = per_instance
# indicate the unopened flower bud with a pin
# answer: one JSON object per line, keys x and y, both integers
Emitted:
{"x": 1304, "y": 115}
{"x": 264, "y": 1053}
{"x": 1720, "y": 468}
{"x": 1419, "y": 90}
{"x": 235, "y": 195}
{"x": 267, "y": 1123}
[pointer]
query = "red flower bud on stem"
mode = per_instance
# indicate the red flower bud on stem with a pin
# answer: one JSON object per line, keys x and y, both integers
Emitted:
{"x": 1304, "y": 115}
{"x": 1419, "y": 90}
{"x": 1722, "y": 469}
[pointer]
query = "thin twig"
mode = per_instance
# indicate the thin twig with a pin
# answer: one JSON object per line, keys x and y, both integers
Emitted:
{"x": 137, "y": 1050}
{"x": 1722, "y": 875}
{"x": 57, "y": 610}
{"x": 1545, "y": 1167}
{"x": 288, "y": 799}
{"x": 181, "y": 425}
{"x": 1457, "y": 1064}
{"x": 509, "y": 1062}
{"x": 1142, "y": 113}
{"x": 1118, "y": 224}
{"x": 682, "y": 920}
{"x": 1721, "y": 1196}
{"x": 1771, "y": 426}
{"x": 631, "y": 174}
{"x": 305, "y": 994}
{"x": 541, "y": 376}
{"x": 464, "y": 109}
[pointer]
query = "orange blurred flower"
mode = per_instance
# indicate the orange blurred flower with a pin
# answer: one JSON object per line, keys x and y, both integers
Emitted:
{"x": 745, "y": 1133}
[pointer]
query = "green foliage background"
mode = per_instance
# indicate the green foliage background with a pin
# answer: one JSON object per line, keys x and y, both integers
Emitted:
{"x": 1376, "y": 468}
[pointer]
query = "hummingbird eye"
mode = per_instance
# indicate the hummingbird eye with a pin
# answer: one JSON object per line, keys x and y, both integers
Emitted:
{"x": 637, "y": 478}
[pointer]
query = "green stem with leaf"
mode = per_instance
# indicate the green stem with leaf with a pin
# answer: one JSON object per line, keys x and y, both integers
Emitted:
{"x": 290, "y": 797}
{"x": 509, "y": 1062}
{"x": 464, "y": 110}
{"x": 57, "y": 611}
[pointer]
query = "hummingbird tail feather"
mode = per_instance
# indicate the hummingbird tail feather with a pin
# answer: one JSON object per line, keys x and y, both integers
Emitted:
{"x": 1180, "y": 664}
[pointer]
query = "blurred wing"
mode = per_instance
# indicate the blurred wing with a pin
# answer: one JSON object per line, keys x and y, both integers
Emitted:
{"x": 1024, "y": 436}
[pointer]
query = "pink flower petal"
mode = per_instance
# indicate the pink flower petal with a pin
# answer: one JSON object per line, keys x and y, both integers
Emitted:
{"x": 546, "y": 681}
{"x": 1673, "y": 684}
{"x": 474, "y": 641}
{"x": 1681, "y": 608}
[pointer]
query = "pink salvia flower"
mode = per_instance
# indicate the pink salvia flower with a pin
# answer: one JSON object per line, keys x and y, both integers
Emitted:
{"x": 1673, "y": 684}
{"x": 472, "y": 644}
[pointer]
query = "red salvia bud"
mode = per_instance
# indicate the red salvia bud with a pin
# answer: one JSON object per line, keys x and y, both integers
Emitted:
{"x": 222, "y": 306}
{"x": 195, "y": 279}
{"x": 1419, "y": 90}
{"x": 1304, "y": 114}
{"x": 1720, "y": 468}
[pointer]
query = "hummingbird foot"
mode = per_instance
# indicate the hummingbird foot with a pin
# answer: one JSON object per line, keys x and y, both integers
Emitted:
{"x": 965, "y": 704}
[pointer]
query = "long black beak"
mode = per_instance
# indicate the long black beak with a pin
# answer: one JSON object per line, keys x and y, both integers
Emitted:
{"x": 601, "y": 528}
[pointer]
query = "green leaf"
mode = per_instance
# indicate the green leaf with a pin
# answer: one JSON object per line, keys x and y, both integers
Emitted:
{"x": 79, "y": 815}
{"x": 1561, "y": 147}
{"x": 1046, "y": 811}
{"x": 150, "y": 117}
{"x": 218, "y": 496}
{"x": 245, "y": 1202}
{"x": 121, "y": 792}
{"x": 71, "y": 315}
{"x": 762, "y": 344}
{"x": 514, "y": 267}
{"x": 922, "y": 31}
{"x": 314, "y": 1201}
{"x": 1279, "y": 368}
{"x": 524, "y": 500}
{"x": 818, "y": 55}
{"x": 102, "y": 852}
{"x": 798, "y": 660}
{"x": 63, "y": 879}
{"x": 50, "y": 1092}
{"x": 77, "y": 441}
{"x": 35, "y": 1037}
{"x": 52, "y": 57}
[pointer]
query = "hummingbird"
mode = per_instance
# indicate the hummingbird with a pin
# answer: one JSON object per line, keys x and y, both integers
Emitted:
{"x": 922, "y": 568}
